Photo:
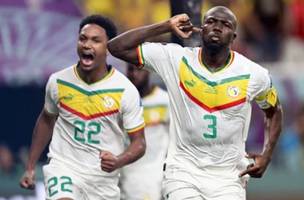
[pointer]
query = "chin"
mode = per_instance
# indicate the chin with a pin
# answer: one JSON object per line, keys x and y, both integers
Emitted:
{"x": 86, "y": 67}
{"x": 214, "y": 46}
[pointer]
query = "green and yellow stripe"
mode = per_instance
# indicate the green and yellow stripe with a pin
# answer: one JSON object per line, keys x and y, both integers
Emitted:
{"x": 211, "y": 95}
{"x": 88, "y": 104}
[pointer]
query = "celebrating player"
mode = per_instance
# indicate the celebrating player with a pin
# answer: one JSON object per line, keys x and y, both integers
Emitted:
{"x": 88, "y": 108}
{"x": 210, "y": 89}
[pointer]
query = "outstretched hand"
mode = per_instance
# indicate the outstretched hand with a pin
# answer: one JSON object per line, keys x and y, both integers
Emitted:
{"x": 257, "y": 169}
{"x": 27, "y": 181}
{"x": 182, "y": 26}
{"x": 109, "y": 162}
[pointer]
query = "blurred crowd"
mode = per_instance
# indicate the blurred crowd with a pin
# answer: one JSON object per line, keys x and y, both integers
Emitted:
{"x": 268, "y": 31}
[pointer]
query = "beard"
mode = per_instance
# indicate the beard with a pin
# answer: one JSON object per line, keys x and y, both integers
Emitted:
{"x": 214, "y": 47}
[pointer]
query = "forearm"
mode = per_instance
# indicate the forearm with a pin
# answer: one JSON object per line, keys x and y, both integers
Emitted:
{"x": 41, "y": 136}
{"x": 273, "y": 130}
{"x": 135, "y": 151}
{"x": 131, "y": 39}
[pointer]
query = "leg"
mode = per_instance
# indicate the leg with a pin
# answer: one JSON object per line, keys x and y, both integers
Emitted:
{"x": 180, "y": 190}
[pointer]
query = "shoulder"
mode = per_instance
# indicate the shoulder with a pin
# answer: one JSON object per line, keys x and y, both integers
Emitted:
{"x": 167, "y": 46}
{"x": 160, "y": 95}
{"x": 251, "y": 66}
{"x": 64, "y": 73}
{"x": 120, "y": 80}
{"x": 160, "y": 92}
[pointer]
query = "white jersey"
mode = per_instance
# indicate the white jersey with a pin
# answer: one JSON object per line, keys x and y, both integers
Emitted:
{"x": 210, "y": 112}
{"x": 142, "y": 179}
{"x": 91, "y": 118}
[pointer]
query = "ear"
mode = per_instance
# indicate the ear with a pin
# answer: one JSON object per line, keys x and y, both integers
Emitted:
{"x": 234, "y": 35}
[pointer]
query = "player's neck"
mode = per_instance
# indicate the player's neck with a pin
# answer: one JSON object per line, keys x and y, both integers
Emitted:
{"x": 94, "y": 75}
{"x": 214, "y": 60}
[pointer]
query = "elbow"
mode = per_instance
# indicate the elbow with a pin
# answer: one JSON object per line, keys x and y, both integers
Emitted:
{"x": 114, "y": 49}
{"x": 111, "y": 47}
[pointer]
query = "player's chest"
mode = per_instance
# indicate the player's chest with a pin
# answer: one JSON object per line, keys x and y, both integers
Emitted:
{"x": 89, "y": 101}
{"x": 213, "y": 92}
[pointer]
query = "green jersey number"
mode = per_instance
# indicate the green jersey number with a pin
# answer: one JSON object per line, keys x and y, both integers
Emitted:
{"x": 65, "y": 185}
{"x": 83, "y": 136}
{"x": 211, "y": 126}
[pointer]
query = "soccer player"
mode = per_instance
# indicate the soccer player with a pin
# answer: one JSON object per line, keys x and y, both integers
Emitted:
{"x": 88, "y": 108}
{"x": 211, "y": 89}
{"x": 142, "y": 179}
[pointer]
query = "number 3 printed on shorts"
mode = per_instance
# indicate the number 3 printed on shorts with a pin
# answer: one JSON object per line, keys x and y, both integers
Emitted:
{"x": 65, "y": 185}
{"x": 211, "y": 126}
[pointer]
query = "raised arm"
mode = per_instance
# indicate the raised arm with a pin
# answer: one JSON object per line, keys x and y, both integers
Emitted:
{"x": 41, "y": 136}
{"x": 273, "y": 124}
{"x": 124, "y": 45}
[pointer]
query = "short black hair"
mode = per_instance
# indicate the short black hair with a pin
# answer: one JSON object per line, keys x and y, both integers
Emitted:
{"x": 101, "y": 21}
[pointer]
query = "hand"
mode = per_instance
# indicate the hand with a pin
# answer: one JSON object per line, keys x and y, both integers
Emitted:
{"x": 27, "y": 181}
{"x": 257, "y": 169}
{"x": 182, "y": 26}
{"x": 109, "y": 162}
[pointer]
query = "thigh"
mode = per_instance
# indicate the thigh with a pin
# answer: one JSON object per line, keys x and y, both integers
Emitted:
{"x": 223, "y": 188}
{"x": 180, "y": 185}
{"x": 101, "y": 188}
{"x": 179, "y": 190}
{"x": 231, "y": 196}
{"x": 139, "y": 184}
{"x": 60, "y": 183}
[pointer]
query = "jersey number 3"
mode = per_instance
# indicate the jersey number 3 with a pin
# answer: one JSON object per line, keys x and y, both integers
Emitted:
{"x": 211, "y": 126}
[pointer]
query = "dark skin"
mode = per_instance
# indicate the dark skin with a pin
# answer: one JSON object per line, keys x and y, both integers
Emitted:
{"x": 92, "y": 51}
{"x": 218, "y": 32}
{"x": 141, "y": 79}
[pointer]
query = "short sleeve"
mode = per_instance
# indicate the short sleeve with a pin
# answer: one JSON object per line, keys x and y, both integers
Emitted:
{"x": 267, "y": 96}
{"x": 51, "y": 96}
{"x": 132, "y": 110}
{"x": 159, "y": 57}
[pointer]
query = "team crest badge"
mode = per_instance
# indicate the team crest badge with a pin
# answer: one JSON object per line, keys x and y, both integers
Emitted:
{"x": 108, "y": 102}
{"x": 233, "y": 91}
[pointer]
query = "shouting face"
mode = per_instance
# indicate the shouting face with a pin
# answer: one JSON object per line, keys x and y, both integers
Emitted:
{"x": 92, "y": 47}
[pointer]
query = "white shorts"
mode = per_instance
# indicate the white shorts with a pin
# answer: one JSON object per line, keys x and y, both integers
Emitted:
{"x": 141, "y": 183}
{"x": 62, "y": 181}
{"x": 180, "y": 184}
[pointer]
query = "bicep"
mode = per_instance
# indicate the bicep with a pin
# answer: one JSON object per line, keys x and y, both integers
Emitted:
{"x": 272, "y": 110}
{"x": 128, "y": 55}
{"x": 46, "y": 118}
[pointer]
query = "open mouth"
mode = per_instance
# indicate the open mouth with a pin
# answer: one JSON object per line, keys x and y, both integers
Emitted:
{"x": 87, "y": 58}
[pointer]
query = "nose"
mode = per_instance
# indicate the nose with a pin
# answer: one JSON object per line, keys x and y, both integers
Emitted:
{"x": 86, "y": 45}
{"x": 218, "y": 26}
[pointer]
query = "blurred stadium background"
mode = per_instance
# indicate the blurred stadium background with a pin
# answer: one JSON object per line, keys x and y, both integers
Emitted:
{"x": 38, "y": 37}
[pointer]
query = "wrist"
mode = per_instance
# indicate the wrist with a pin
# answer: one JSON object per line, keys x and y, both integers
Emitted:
{"x": 30, "y": 166}
{"x": 119, "y": 162}
{"x": 267, "y": 156}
